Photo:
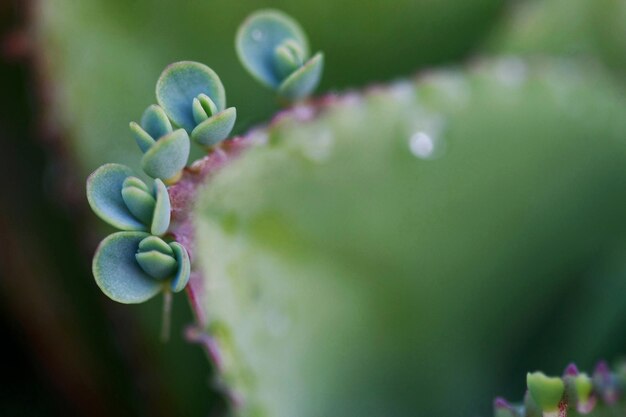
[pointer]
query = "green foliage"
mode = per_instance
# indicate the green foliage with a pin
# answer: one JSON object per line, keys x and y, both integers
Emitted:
{"x": 372, "y": 262}
{"x": 129, "y": 268}
{"x": 580, "y": 28}
{"x": 103, "y": 56}
{"x": 275, "y": 50}
{"x": 193, "y": 97}
{"x": 126, "y": 202}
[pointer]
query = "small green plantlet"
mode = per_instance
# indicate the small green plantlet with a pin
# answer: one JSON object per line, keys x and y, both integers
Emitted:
{"x": 193, "y": 98}
{"x": 546, "y": 391}
{"x": 165, "y": 150}
{"x": 126, "y": 202}
{"x": 132, "y": 267}
{"x": 274, "y": 49}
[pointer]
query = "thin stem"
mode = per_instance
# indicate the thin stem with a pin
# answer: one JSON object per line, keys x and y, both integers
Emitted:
{"x": 167, "y": 314}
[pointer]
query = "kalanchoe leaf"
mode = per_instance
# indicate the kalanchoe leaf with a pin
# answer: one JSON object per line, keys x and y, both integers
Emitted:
{"x": 203, "y": 108}
{"x": 216, "y": 128}
{"x": 162, "y": 208}
{"x": 546, "y": 391}
{"x": 184, "y": 267}
{"x": 155, "y": 243}
{"x": 258, "y": 38}
{"x": 167, "y": 157}
{"x": 289, "y": 57}
{"x": 117, "y": 272}
{"x": 182, "y": 82}
{"x": 155, "y": 122}
{"x": 304, "y": 80}
{"x": 584, "y": 388}
{"x": 157, "y": 264}
{"x": 125, "y": 201}
{"x": 138, "y": 199}
{"x": 104, "y": 193}
{"x": 143, "y": 139}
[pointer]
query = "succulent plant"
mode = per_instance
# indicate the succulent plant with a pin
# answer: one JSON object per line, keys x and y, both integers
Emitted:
{"x": 126, "y": 202}
{"x": 165, "y": 150}
{"x": 193, "y": 97}
{"x": 311, "y": 285}
{"x": 275, "y": 50}
{"x": 132, "y": 267}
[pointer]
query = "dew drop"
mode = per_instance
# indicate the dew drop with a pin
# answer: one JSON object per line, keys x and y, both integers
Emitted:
{"x": 422, "y": 145}
{"x": 257, "y": 35}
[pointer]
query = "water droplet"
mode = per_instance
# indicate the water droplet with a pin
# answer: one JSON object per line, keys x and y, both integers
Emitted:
{"x": 257, "y": 35}
{"x": 422, "y": 145}
{"x": 511, "y": 71}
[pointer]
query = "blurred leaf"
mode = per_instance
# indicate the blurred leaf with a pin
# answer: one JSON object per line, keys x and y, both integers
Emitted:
{"x": 565, "y": 27}
{"x": 409, "y": 250}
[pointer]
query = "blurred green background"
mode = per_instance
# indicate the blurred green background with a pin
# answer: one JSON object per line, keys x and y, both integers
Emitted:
{"x": 75, "y": 73}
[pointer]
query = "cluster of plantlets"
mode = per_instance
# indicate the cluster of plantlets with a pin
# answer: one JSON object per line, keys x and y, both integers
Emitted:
{"x": 574, "y": 393}
{"x": 141, "y": 260}
{"x": 273, "y": 48}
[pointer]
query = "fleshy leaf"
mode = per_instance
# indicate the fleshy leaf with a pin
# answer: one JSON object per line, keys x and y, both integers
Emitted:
{"x": 183, "y": 81}
{"x": 117, "y": 272}
{"x": 216, "y": 128}
{"x": 258, "y": 38}
{"x": 161, "y": 214}
{"x": 184, "y": 267}
{"x": 203, "y": 108}
{"x": 289, "y": 56}
{"x": 304, "y": 80}
{"x": 138, "y": 201}
{"x": 156, "y": 264}
{"x": 155, "y": 243}
{"x": 546, "y": 391}
{"x": 155, "y": 122}
{"x": 104, "y": 193}
{"x": 143, "y": 139}
{"x": 168, "y": 156}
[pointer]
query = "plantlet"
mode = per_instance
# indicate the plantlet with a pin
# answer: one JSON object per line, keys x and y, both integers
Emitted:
{"x": 193, "y": 97}
{"x": 132, "y": 267}
{"x": 274, "y": 49}
{"x": 126, "y": 202}
{"x": 319, "y": 257}
{"x": 165, "y": 151}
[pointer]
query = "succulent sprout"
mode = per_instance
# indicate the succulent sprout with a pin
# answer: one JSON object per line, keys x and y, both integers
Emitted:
{"x": 546, "y": 391}
{"x": 193, "y": 97}
{"x": 274, "y": 49}
{"x": 165, "y": 150}
{"x": 126, "y": 202}
{"x": 132, "y": 267}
